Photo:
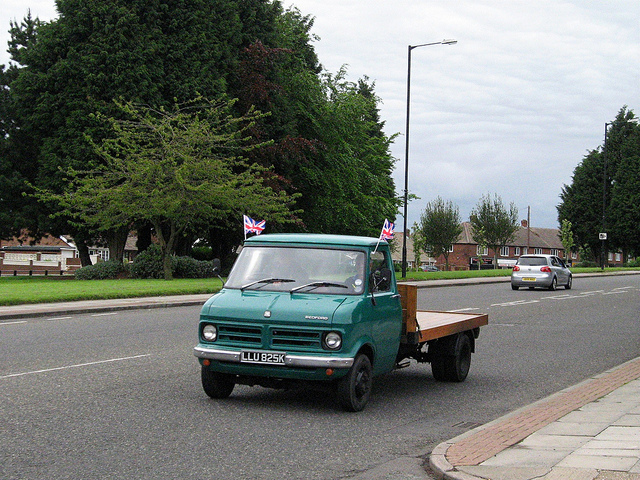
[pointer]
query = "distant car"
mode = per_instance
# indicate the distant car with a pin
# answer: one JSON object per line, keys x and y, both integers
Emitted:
{"x": 429, "y": 268}
{"x": 543, "y": 271}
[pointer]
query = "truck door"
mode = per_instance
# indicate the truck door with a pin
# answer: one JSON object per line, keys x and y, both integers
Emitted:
{"x": 385, "y": 311}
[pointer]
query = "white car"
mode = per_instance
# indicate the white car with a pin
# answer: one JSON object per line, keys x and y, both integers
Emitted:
{"x": 542, "y": 271}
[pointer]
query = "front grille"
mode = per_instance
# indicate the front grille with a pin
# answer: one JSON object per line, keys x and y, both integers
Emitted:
{"x": 282, "y": 338}
{"x": 240, "y": 334}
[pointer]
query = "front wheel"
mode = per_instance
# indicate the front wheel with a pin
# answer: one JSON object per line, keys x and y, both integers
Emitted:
{"x": 215, "y": 384}
{"x": 569, "y": 283}
{"x": 354, "y": 389}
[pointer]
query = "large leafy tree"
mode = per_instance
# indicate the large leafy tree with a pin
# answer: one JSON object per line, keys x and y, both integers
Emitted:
{"x": 440, "y": 226}
{"x": 175, "y": 169}
{"x": 493, "y": 224}
{"x": 605, "y": 189}
{"x": 624, "y": 201}
{"x": 326, "y": 139}
{"x": 581, "y": 202}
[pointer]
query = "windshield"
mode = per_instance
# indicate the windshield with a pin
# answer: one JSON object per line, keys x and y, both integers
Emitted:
{"x": 290, "y": 269}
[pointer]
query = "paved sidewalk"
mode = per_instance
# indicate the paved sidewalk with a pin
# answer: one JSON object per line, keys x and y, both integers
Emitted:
{"x": 587, "y": 432}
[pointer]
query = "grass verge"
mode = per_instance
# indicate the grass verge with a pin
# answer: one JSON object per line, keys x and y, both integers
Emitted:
{"x": 21, "y": 290}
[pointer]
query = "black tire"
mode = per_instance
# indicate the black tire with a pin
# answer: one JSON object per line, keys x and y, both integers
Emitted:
{"x": 514, "y": 287}
{"x": 215, "y": 384}
{"x": 453, "y": 368}
{"x": 554, "y": 284}
{"x": 354, "y": 389}
{"x": 569, "y": 283}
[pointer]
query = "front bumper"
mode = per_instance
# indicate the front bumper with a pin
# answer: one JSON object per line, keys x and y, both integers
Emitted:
{"x": 290, "y": 360}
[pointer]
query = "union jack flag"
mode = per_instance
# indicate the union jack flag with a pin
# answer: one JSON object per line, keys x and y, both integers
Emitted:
{"x": 251, "y": 226}
{"x": 387, "y": 230}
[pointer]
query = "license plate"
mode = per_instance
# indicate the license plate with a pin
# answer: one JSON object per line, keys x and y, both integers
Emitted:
{"x": 265, "y": 358}
{"x": 529, "y": 279}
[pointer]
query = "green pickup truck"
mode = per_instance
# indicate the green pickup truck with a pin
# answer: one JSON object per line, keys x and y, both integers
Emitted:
{"x": 325, "y": 309}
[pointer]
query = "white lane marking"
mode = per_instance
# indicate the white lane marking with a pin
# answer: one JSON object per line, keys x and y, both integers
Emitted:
{"x": 18, "y": 322}
{"x": 515, "y": 303}
{"x": 104, "y": 314}
{"x": 463, "y": 309}
{"x": 111, "y": 360}
{"x": 58, "y": 318}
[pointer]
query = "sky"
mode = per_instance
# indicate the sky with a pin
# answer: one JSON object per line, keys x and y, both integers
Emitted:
{"x": 511, "y": 109}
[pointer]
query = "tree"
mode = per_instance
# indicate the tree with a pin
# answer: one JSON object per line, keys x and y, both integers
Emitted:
{"x": 175, "y": 169}
{"x": 71, "y": 68}
{"x": 566, "y": 237}
{"x": 418, "y": 244}
{"x": 493, "y": 224}
{"x": 581, "y": 202}
{"x": 617, "y": 165}
{"x": 623, "y": 215}
{"x": 440, "y": 227}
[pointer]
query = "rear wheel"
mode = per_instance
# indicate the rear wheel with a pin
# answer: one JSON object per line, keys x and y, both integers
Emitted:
{"x": 554, "y": 284}
{"x": 354, "y": 389}
{"x": 215, "y": 384}
{"x": 514, "y": 287}
{"x": 453, "y": 368}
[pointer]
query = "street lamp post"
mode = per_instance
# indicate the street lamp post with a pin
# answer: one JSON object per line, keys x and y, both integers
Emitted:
{"x": 406, "y": 149}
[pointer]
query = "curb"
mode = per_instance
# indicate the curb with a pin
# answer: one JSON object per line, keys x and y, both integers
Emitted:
{"x": 584, "y": 392}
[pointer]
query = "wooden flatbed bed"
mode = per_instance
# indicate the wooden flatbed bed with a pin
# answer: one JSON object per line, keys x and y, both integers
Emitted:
{"x": 424, "y": 325}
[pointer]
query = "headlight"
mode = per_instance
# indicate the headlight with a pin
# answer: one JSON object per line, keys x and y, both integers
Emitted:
{"x": 209, "y": 333}
{"x": 333, "y": 340}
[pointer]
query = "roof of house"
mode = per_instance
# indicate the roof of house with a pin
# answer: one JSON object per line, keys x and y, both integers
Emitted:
{"x": 25, "y": 240}
{"x": 532, "y": 237}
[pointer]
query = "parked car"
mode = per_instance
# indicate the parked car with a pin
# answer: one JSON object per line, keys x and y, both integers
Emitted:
{"x": 544, "y": 271}
{"x": 429, "y": 268}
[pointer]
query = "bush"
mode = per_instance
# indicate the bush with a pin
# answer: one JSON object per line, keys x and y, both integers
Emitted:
{"x": 202, "y": 253}
{"x": 586, "y": 264}
{"x": 634, "y": 263}
{"x": 102, "y": 271}
{"x": 187, "y": 267}
{"x": 148, "y": 264}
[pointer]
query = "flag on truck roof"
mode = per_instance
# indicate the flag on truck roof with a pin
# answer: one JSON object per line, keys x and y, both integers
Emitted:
{"x": 252, "y": 226}
{"x": 387, "y": 230}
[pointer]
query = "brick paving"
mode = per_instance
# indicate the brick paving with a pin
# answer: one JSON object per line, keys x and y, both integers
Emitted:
{"x": 484, "y": 444}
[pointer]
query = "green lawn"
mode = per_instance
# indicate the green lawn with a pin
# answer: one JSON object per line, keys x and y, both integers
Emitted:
{"x": 506, "y": 272}
{"x": 19, "y": 290}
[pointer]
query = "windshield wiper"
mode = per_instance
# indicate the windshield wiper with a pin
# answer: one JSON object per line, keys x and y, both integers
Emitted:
{"x": 317, "y": 285}
{"x": 267, "y": 280}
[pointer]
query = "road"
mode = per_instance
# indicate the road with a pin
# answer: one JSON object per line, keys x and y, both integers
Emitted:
{"x": 118, "y": 396}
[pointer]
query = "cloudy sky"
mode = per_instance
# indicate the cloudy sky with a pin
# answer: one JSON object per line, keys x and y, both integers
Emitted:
{"x": 511, "y": 109}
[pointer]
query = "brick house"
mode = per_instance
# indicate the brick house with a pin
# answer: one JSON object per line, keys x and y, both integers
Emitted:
{"x": 464, "y": 254}
{"x": 48, "y": 255}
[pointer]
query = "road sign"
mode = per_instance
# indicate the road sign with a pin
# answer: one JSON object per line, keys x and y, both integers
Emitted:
{"x": 602, "y": 236}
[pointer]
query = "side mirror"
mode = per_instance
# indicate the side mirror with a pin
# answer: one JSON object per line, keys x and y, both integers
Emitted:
{"x": 216, "y": 266}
